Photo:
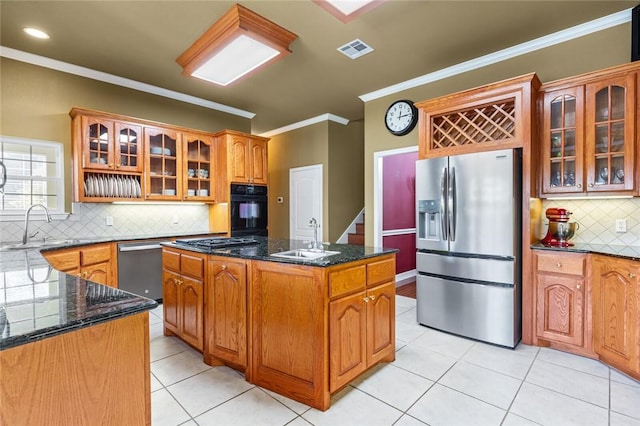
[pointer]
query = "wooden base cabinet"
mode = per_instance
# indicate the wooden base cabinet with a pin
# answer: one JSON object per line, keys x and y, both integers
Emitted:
{"x": 562, "y": 306}
{"x": 225, "y": 313}
{"x": 95, "y": 262}
{"x": 616, "y": 315}
{"x": 183, "y": 274}
{"x": 315, "y": 329}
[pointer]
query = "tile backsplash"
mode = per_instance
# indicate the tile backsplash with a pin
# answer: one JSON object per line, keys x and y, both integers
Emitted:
{"x": 597, "y": 219}
{"x": 88, "y": 221}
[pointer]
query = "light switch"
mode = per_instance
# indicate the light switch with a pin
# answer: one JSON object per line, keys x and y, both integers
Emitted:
{"x": 108, "y": 220}
{"x": 621, "y": 225}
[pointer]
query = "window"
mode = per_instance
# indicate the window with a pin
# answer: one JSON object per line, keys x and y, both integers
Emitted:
{"x": 34, "y": 175}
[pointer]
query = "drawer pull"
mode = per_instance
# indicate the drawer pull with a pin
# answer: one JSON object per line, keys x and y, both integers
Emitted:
{"x": 559, "y": 265}
{"x": 366, "y": 300}
{"x": 372, "y": 297}
{"x": 632, "y": 275}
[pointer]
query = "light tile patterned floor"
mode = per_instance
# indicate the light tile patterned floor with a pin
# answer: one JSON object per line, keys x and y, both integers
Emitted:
{"x": 437, "y": 379}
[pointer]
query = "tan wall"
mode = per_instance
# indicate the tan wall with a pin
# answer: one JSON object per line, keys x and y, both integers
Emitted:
{"x": 346, "y": 175}
{"x": 301, "y": 147}
{"x": 35, "y": 104}
{"x": 595, "y": 51}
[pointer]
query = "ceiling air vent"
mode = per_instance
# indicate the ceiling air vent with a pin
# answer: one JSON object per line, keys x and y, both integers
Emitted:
{"x": 356, "y": 48}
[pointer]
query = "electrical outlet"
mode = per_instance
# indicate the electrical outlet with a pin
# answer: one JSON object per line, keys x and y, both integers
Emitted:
{"x": 176, "y": 219}
{"x": 621, "y": 225}
{"x": 108, "y": 220}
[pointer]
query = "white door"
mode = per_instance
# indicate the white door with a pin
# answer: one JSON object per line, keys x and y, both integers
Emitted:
{"x": 305, "y": 190}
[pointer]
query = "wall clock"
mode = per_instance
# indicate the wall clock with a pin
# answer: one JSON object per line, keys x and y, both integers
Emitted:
{"x": 401, "y": 117}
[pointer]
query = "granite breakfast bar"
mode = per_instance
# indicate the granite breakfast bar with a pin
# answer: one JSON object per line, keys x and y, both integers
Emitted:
{"x": 71, "y": 351}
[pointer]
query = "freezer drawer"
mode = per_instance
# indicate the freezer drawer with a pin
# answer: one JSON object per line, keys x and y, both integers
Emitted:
{"x": 482, "y": 312}
{"x": 468, "y": 268}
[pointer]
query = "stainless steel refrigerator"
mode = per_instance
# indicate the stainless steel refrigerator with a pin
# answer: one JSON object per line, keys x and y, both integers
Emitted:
{"x": 469, "y": 245}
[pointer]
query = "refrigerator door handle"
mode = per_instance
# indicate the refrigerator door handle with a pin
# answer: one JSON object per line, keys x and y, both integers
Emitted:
{"x": 444, "y": 223}
{"x": 452, "y": 204}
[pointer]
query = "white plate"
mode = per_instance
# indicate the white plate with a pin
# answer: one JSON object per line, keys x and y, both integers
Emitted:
{"x": 91, "y": 187}
{"x": 138, "y": 189}
{"x": 126, "y": 187}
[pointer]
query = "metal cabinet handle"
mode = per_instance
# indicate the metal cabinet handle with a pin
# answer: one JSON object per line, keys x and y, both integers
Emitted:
{"x": 366, "y": 300}
{"x": 578, "y": 286}
{"x": 559, "y": 265}
{"x": 591, "y": 185}
{"x": 223, "y": 267}
{"x": 579, "y": 185}
{"x": 372, "y": 297}
{"x": 632, "y": 275}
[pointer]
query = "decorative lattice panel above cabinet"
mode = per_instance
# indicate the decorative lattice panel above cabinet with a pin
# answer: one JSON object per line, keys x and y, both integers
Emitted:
{"x": 481, "y": 119}
{"x": 487, "y": 123}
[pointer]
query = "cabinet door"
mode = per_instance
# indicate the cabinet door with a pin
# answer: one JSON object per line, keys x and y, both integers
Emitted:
{"x": 190, "y": 313}
{"x": 198, "y": 171}
{"x": 98, "y": 273}
{"x": 128, "y": 150}
{"x": 347, "y": 339}
{"x": 170, "y": 301}
{"x": 615, "y": 312}
{"x": 381, "y": 324}
{"x": 258, "y": 162}
{"x": 97, "y": 143}
{"x": 226, "y": 312}
{"x": 610, "y": 134}
{"x": 560, "y": 309}
{"x": 162, "y": 161}
{"x": 562, "y": 141}
{"x": 239, "y": 164}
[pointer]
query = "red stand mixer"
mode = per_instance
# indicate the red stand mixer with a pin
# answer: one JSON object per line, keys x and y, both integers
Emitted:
{"x": 560, "y": 230}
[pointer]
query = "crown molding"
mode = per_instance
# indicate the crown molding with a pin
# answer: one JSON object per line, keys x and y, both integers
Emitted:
{"x": 65, "y": 67}
{"x": 305, "y": 123}
{"x": 581, "y": 30}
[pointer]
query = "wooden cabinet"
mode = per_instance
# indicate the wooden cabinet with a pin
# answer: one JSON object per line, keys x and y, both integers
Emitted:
{"x": 589, "y": 126}
{"x": 495, "y": 116}
{"x": 563, "y": 301}
{"x": 246, "y": 157}
{"x": 616, "y": 314}
{"x": 183, "y": 275}
{"x": 226, "y": 311}
{"x": 95, "y": 262}
{"x": 198, "y": 175}
{"x": 163, "y": 167}
{"x": 314, "y": 329}
{"x": 361, "y": 329}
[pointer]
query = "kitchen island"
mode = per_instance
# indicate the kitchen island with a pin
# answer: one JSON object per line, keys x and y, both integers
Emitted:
{"x": 300, "y": 326}
{"x": 71, "y": 351}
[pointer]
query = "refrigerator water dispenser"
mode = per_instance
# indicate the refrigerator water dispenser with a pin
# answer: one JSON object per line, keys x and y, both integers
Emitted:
{"x": 429, "y": 219}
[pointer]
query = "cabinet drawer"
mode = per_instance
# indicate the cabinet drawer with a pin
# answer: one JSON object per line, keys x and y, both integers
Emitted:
{"x": 192, "y": 266}
{"x": 347, "y": 280}
{"x": 171, "y": 260}
{"x": 562, "y": 263}
{"x": 381, "y": 272}
{"x": 95, "y": 254}
{"x": 63, "y": 260}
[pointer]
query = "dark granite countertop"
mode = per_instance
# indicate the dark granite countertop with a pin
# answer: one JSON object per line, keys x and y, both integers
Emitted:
{"x": 626, "y": 252}
{"x": 265, "y": 247}
{"x": 37, "y": 301}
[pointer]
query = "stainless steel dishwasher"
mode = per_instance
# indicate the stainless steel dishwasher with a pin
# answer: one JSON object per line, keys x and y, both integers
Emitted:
{"x": 140, "y": 268}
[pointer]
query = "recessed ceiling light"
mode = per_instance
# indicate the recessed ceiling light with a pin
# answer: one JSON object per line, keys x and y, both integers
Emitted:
{"x": 34, "y": 32}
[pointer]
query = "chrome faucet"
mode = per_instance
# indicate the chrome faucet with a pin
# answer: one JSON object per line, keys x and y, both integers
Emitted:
{"x": 26, "y": 236}
{"x": 315, "y": 244}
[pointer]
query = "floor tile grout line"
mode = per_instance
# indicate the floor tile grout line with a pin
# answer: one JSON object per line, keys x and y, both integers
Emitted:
{"x": 515, "y": 396}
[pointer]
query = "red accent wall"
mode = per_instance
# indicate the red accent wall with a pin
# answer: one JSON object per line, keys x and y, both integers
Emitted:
{"x": 406, "y": 243}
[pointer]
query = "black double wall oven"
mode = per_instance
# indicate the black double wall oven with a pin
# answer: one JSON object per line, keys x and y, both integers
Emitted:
{"x": 248, "y": 210}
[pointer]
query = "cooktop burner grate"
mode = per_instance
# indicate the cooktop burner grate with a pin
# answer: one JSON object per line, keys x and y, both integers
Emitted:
{"x": 218, "y": 242}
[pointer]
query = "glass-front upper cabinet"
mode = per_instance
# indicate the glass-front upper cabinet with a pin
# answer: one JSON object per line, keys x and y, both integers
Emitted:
{"x": 109, "y": 145}
{"x": 163, "y": 166}
{"x": 198, "y": 170}
{"x": 562, "y": 154}
{"x": 588, "y": 135}
{"x": 611, "y": 122}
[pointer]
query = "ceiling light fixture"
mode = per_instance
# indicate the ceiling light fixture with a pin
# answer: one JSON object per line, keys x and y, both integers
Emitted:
{"x": 34, "y": 32}
{"x": 347, "y": 10}
{"x": 238, "y": 43}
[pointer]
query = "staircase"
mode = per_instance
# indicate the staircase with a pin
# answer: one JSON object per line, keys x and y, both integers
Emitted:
{"x": 357, "y": 237}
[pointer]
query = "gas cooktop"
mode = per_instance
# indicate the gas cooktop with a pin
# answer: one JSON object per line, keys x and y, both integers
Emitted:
{"x": 217, "y": 242}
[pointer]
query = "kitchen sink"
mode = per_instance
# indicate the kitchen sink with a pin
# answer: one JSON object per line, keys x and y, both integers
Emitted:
{"x": 37, "y": 244}
{"x": 302, "y": 254}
